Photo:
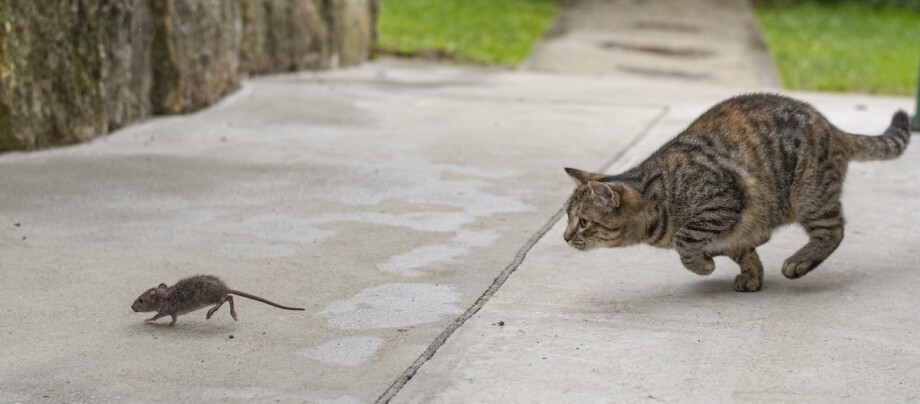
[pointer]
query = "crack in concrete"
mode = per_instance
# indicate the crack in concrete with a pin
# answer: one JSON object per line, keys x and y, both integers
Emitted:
{"x": 503, "y": 276}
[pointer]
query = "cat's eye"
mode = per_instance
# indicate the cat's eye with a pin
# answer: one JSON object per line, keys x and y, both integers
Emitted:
{"x": 582, "y": 223}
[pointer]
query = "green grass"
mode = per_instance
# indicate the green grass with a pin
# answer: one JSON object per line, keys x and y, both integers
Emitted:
{"x": 483, "y": 31}
{"x": 843, "y": 46}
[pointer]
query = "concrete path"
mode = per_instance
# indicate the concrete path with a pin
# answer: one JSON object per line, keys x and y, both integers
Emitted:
{"x": 392, "y": 201}
{"x": 706, "y": 41}
{"x": 413, "y": 211}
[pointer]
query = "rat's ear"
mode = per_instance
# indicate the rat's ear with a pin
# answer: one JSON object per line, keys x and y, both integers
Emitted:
{"x": 162, "y": 286}
{"x": 604, "y": 195}
{"x": 152, "y": 293}
{"x": 580, "y": 177}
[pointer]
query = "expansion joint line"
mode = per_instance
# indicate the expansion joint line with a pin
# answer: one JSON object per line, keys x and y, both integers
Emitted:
{"x": 503, "y": 276}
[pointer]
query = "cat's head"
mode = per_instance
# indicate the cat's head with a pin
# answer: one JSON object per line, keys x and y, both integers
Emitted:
{"x": 603, "y": 213}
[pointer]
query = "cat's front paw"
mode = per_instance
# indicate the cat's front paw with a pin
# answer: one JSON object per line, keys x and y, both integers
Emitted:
{"x": 748, "y": 282}
{"x": 700, "y": 265}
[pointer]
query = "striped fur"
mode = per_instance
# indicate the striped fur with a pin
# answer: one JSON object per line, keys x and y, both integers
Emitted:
{"x": 745, "y": 167}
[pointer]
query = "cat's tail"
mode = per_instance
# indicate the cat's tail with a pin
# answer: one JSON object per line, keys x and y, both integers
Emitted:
{"x": 885, "y": 147}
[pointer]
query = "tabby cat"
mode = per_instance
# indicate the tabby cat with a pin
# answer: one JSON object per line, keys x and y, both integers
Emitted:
{"x": 750, "y": 164}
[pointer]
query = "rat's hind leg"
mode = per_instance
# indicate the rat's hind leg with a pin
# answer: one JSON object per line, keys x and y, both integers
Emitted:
{"x": 751, "y": 277}
{"x": 825, "y": 230}
{"x": 216, "y": 306}
{"x": 173, "y": 322}
{"x": 232, "y": 308}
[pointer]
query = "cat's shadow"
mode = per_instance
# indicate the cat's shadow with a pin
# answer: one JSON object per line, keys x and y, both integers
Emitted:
{"x": 773, "y": 285}
{"x": 717, "y": 291}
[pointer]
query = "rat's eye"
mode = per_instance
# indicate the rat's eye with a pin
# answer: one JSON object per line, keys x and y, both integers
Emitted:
{"x": 140, "y": 301}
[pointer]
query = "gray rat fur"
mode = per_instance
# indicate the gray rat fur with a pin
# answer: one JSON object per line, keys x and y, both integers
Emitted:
{"x": 191, "y": 294}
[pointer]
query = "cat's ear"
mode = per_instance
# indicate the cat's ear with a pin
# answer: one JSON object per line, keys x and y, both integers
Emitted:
{"x": 580, "y": 177}
{"x": 604, "y": 195}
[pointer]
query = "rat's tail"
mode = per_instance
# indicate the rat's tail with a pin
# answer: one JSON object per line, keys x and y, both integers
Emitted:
{"x": 885, "y": 147}
{"x": 248, "y": 296}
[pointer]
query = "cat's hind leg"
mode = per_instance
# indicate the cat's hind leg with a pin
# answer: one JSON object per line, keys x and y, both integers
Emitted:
{"x": 825, "y": 232}
{"x": 751, "y": 277}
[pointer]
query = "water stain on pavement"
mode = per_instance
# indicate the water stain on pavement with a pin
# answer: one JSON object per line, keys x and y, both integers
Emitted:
{"x": 393, "y": 305}
{"x": 347, "y": 351}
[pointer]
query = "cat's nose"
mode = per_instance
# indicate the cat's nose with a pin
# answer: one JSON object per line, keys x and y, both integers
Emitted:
{"x": 567, "y": 235}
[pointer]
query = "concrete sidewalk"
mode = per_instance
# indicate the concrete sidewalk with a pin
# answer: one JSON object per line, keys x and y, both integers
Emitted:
{"x": 386, "y": 199}
{"x": 701, "y": 41}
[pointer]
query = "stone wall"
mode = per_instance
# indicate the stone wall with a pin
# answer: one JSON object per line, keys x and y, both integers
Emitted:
{"x": 299, "y": 46}
{"x": 196, "y": 53}
{"x": 74, "y": 69}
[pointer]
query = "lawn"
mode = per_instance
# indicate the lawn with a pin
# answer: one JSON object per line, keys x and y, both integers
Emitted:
{"x": 843, "y": 46}
{"x": 481, "y": 31}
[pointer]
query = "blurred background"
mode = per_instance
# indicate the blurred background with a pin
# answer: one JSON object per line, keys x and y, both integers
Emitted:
{"x": 870, "y": 46}
{"x": 71, "y": 70}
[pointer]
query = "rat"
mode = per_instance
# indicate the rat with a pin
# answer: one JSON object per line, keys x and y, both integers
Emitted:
{"x": 191, "y": 294}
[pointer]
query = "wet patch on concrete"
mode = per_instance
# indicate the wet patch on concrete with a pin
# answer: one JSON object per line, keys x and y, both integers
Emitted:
{"x": 684, "y": 52}
{"x": 347, "y": 351}
{"x": 417, "y": 180}
{"x": 411, "y": 263}
{"x": 282, "y": 228}
{"x": 254, "y": 251}
{"x": 665, "y": 26}
{"x": 259, "y": 394}
{"x": 421, "y": 221}
{"x": 338, "y": 400}
{"x": 248, "y": 393}
{"x": 664, "y": 73}
{"x": 393, "y": 305}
